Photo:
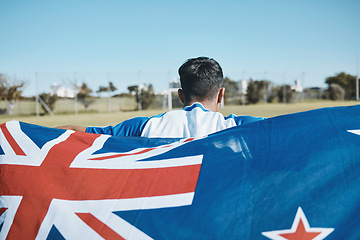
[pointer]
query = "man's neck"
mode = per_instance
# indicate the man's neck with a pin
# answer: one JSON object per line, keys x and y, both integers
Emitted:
{"x": 212, "y": 106}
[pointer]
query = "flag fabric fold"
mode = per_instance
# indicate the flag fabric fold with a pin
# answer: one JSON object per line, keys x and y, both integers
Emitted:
{"x": 292, "y": 177}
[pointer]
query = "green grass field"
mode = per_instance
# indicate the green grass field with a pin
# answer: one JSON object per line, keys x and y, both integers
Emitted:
{"x": 102, "y": 119}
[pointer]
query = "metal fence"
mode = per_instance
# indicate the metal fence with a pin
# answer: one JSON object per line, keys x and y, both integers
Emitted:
{"x": 63, "y": 106}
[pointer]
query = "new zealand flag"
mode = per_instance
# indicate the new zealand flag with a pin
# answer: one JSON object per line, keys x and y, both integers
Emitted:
{"x": 294, "y": 177}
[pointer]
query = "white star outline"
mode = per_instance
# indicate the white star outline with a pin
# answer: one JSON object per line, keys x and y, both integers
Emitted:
{"x": 275, "y": 235}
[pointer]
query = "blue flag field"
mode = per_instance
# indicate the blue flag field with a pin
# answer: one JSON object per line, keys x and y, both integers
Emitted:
{"x": 292, "y": 177}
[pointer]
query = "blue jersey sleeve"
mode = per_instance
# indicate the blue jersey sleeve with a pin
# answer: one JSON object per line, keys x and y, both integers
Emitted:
{"x": 131, "y": 127}
{"x": 239, "y": 120}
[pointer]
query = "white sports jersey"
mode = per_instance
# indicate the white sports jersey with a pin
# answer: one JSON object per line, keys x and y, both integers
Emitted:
{"x": 192, "y": 121}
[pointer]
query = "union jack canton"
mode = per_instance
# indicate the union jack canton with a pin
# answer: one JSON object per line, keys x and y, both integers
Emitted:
{"x": 65, "y": 183}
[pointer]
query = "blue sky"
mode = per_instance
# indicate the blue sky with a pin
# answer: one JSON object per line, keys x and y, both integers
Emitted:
{"x": 128, "y": 42}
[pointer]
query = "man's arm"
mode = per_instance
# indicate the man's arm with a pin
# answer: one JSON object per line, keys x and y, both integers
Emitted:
{"x": 130, "y": 127}
{"x": 73, "y": 127}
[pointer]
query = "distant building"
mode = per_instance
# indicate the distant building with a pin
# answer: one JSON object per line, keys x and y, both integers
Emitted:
{"x": 297, "y": 87}
{"x": 313, "y": 93}
{"x": 242, "y": 85}
{"x": 62, "y": 91}
{"x": 139, "y": 88}
{"x": 175, "y": 83}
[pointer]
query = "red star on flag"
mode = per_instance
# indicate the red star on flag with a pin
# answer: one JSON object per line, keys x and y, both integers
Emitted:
{"x": 300, "y": 230}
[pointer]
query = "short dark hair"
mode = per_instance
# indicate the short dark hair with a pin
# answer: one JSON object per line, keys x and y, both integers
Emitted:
{"x": 201, "y": 78}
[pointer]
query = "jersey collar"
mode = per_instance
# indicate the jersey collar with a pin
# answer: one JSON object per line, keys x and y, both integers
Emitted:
{"x": 194, "y": 105}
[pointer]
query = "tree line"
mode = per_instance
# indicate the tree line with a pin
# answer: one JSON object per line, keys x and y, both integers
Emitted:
{"x": 256, "y": 91}
{"x": 339, "y": 87}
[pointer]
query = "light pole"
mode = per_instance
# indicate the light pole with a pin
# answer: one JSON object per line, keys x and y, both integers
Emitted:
{"x": 139, "y": 92}
{"x": 36, "y": 95}
{"x": 76, "y": 90}
{"x": 284, "y": 88}
{"x": 109, "y": 93}
{"x": 357, "y": 76}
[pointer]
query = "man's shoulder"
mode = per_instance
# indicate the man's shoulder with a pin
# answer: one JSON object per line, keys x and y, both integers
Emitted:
{"x": 186, "y": 112}
{"x": 169, "y": 116}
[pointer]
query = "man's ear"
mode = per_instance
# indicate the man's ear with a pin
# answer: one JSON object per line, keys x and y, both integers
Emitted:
{"x": 181, "y": 95}
{"x": 221, "y": 95}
